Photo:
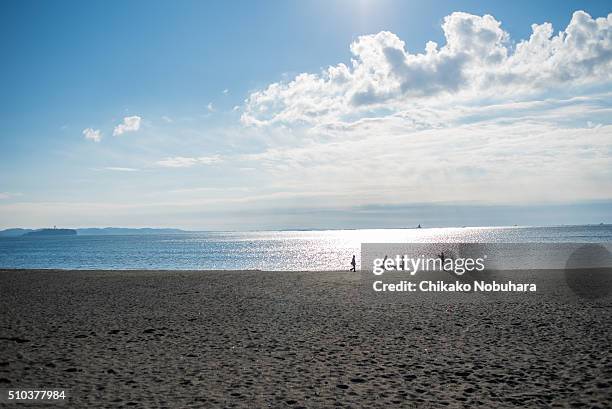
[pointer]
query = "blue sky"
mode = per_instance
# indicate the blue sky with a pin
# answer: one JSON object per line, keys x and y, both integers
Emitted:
{"x": 232, "y": 118}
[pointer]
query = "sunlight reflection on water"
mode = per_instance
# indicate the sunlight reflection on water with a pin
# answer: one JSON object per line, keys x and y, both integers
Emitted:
{"x": 265, "y": 250}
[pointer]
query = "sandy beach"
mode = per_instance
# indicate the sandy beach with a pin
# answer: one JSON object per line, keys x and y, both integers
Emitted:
{"x": 278, "y": 339}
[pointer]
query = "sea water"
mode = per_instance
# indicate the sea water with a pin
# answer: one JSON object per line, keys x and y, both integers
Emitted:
{"x": 263, "y": 250}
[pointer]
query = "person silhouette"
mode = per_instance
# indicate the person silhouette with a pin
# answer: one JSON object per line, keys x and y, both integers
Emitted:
{"x": 442, "y": 257}
{"x": 353, "y": 263}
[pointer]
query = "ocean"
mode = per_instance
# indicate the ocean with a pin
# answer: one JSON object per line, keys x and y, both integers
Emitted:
{"x": 261, "y": 250}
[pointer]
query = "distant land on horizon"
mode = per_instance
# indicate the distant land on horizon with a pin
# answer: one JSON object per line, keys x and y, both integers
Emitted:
{"x": 91, "y": 231}
{"x": 109, "y": 231}
{"x": 51, "y": 232}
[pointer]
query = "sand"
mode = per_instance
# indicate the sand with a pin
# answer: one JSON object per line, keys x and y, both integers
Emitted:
{"x": 277, "y": 339}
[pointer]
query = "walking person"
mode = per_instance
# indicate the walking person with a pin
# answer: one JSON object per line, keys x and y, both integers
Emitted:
{"x": 442, "y": 257}
{"x": 353, "y": 263}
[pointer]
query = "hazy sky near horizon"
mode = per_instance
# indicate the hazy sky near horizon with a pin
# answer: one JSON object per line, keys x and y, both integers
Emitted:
{"x": 313, "y": 114}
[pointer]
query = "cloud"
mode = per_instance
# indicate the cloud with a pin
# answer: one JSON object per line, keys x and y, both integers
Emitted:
{"x": 129, "y": 124}
{"x": 226, "y": 91}
{"x": 514, "y": 153}
{"x": 92, "y": 134}
{"x": 186, "y": 162}
{"x": 477, "y": 62}
{"x": 9, "y": 195}
{"x": 167, "y": 119}
{"x": 210, "y": 107}
{"x": 502, "y": 160}
{"x": 120, "y": 169}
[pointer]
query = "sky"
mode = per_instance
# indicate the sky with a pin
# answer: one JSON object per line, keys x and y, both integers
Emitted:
{"x": 241, "y": 115}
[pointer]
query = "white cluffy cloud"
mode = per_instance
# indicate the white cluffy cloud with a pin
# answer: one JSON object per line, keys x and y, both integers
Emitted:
{"x": 186, "y": 162}
{"x": 129, "y": 124}
{"x": 477, "y": 62}
{"x": 92, "y": 134}
{"x": 478, "y": 119}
